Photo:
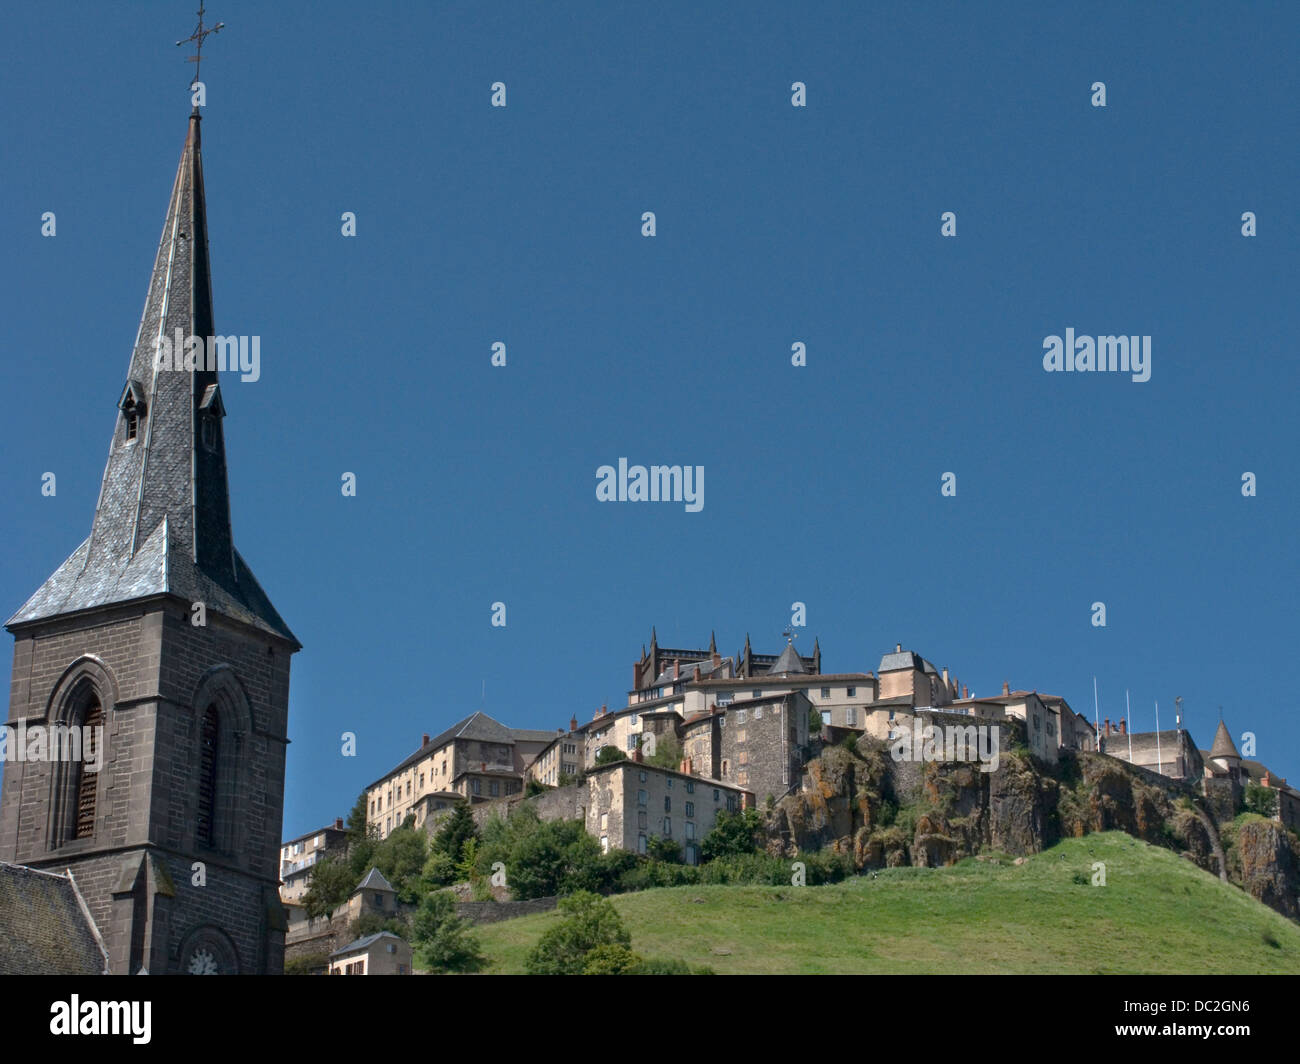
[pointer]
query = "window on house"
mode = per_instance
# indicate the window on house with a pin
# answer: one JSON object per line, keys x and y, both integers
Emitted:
{"x": 740, "y": 716}
{"x": 640, "y": 844}
{"x": 742, "y": 758}
{"x": 853, "y": 692}
{"x": 494, "y": 788}
{"x": 826, "y": 692}
{"x": 207, "y": 811}
{"x": 641, "y": 798}
{"x": 604, "y": 844}
{"x": 755, "y": 694}
{"x": 633, "y": 718}
{"x": 604, "y": 821}
{"x": 668, "y": 827}
{"x": 476, "y": 786}
{"x": 851, "y": 716}
{"x": 690, "y": 829}
{"x": 740, "y": 734}
{"x": 668, "y": 804}
{"x": 731, "y": 803}
{"x": 691, "y": 855}
{"x": 631, "y": 740}
{"x": 716, "y": 794}
{"x": 826, "y": 716}
{"x": 643, "y": 775}
{"x": 669, "y": 782}
{"x": 641, "y": 820}
{"x": 690, "y": 809}
{"x": 690, "y": 786}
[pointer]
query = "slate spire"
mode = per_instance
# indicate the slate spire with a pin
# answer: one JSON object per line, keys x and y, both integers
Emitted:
{"x": 162, "y": 521}
{"x": 175, "y": 467}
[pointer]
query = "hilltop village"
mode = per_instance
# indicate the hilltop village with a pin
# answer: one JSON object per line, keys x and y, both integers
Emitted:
{"x": 702, "y": 734}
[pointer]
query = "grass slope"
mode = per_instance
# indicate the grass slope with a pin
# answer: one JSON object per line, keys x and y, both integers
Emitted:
{"x": 1158, "y": 913}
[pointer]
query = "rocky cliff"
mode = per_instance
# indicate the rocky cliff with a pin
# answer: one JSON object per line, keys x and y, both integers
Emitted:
{"x": 857, "y": 800}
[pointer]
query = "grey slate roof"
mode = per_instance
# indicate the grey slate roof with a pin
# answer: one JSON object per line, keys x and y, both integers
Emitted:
{"x": 905, "y": 659}
{"x": 162, "y": 521}
{"x": 374, "y": 881}
{"x": 46, "y": 928}
{"x": 477, "y": 726}
{"x": 787, "y": 662}
{"x": 365, "y": 943}
{"x": 1223, "y": 744}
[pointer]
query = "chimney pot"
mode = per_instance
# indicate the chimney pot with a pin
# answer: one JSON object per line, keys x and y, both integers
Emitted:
{"x": 1105, "y": 723}
{"x": 898, "y": 648}
{"x": 1006, "y": 687}
{"x": 424, "y": 739}
{"x": 1123, "y": 726}
{"x": 573, "y": 723}
{"x": 338, "y": 823}
{"x": 965, "y": 691}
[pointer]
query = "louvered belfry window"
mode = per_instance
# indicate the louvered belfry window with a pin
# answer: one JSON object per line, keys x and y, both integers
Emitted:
{"x": 93, "y": 719}
{"x": 208, "y": 777}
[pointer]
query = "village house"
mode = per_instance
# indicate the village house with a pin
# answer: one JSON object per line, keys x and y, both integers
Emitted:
{"x": 379, "y": 954}
{"x": 298, "y": 855}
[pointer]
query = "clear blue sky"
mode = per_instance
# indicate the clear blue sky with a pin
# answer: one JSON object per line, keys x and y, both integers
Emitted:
{"x": 775, "y": 225}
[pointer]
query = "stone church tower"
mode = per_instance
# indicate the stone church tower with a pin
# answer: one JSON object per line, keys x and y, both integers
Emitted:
{"x": 174, "y": 842}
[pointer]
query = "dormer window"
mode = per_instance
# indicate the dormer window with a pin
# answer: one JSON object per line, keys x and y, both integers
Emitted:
{"x": 211, "y": 408}
{"x": 133, "y": 409}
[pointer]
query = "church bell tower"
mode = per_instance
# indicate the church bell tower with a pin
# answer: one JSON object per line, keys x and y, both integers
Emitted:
{"x": 155, "y": 636}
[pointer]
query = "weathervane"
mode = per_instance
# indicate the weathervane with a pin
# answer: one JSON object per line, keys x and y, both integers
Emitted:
{"x": 197, "y": 37}
{"x": 790, "y": 635}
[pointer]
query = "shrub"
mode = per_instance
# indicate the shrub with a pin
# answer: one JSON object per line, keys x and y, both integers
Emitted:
{"x": 591, "y": 921}
{"x": 443, "y": 941}
{"x": 732, "y": 833}
{"x": 310, "y": 964}
{"x": 612, "y": 959}
{"x": 607, "y": 755}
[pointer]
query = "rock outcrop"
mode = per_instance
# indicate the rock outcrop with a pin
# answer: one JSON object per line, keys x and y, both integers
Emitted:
{"x": 885, "y": 814}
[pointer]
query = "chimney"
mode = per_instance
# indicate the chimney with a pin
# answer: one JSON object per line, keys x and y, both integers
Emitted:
{"x": 1105, "y": 723}
{"x": 945, "y": 675}
{"x": 1123, "y": 726}
{"x": 898, "y": 648}
{"x": 1006, "y": 687}
{"x": 482, "y": 766}
{"x": 1264, "y": 781}
{"x": 636, "y": 754}
{"x": 573, "y": 723}
{"x": 677, "y": 668}
{"x": 717, "y": 659}
{"x": 424, "y": 740}
{"x": 338, "y": 823}
{"x": 965, "y": 691}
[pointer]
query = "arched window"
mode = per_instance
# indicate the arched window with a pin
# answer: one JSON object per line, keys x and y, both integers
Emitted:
{"x": 92, "y": 720}
{"x": 208, "y": 736}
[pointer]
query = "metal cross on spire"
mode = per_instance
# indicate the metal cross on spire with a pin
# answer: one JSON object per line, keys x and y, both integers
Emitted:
{"x": 200, "y": 32}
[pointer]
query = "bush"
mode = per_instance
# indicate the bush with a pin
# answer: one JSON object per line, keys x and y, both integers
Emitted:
{"x": 533, "y": 788}
{"x": 443, "y": 941}
{"x": 662, "y": 849}
{"x": 732, "y": 833}
{"x": 607, "y": 755}
{"x": 311, "y": 964}
{"x": 612, "y": 960}
{"x": 591, "y": 921}
{"x": 661, "y": 966}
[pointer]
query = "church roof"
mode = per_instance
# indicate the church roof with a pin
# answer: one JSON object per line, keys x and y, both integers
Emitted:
{"x": 787, "y": 662}
{"x": 162, "y": 521}
{"x": 1223, "y": 744}
{"x": 47, "y": 927}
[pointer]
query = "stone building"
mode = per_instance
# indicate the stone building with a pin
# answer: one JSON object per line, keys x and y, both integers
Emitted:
{"x": 631, "y": 802}
{"x": 156, "y": 632}
{"x": 476, "y": 758}
{"x": 383, "y": 953}
{"x": 756, "y": 744}
{"x": 298, "y": 855}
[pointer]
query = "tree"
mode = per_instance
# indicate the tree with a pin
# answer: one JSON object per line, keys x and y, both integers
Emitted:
{"x": 533, "y": 788}
{"x": 400, "y": 858}
{"x": 733, "y": 833}
{"x": 591, "y": 921}
{"x": 611, "y": 960}
{"x": 453, "y": 832}
{"x": 330, "y": 885}
{"x": 356, "y": 821}
{"x": 668, "y": 752}
{"x": 1260, "y": 799}
{"x": 607, "y": 755}
{"x": 443, "y": 941}
{"x": 814, "y": 721}
{"x": 662, "y": 849}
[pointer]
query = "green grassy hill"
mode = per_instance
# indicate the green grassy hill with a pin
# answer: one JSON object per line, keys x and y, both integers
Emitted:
{"x": 1157, "y": 913}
